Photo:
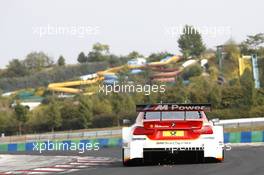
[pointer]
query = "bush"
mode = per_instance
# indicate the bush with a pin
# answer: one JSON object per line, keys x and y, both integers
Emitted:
{"x": 8, "y": 123}
{"x": 72, "y": 118}
{"x": 192, "y": 71}
{"x": 102, "y": 121}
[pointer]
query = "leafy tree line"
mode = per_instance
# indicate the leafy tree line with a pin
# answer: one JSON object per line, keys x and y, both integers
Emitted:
{"x": 44, "y": 77}
{"x": 232, "y": 100}
{"x": 33, "y": 63}
{"x": 235, "y": 99}
{"x": 101, "y": 52}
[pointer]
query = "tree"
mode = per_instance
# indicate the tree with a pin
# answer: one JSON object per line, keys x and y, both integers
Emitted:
{"x": 252, "y": 44}
{"x": 230, "y": 61}
{"x": 190, "y": 42}
{"x": 102, "y": 106}
{"x": 85, "y": 109}
{"x": 82, "y": 58}
{"x": 199, "y": 89}
{"x": 102, "y": 48}
{"x": 96, "y": 56}
{"x": 8, "y": 123}
{"x": 123, "y": 105}
{"x": 16, "y": 68}
{"x": 134, "y": 54}
{"x": 100, "y": 52}
{"x": 254, "y": 41}
{"x": 38, "y": 120}
{"x": 214, "y": 96}
{"x": 53, "y": 115}
{"x": 158, "y": 56}
{"x": 232, "y": 96}
{"x": 35, "y": 61}
{"x": 232, "y": 50}
{"x": 248, "y": 88}
{"x": 61, "y": 61}
{"x": 114, "y": 60}
{"x": 192, "y": 71}
{"x": 72, "y": 118}
{"x": 21, "y": 115}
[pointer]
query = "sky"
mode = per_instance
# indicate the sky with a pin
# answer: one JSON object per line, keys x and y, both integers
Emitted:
{"x": 60, "y": 27}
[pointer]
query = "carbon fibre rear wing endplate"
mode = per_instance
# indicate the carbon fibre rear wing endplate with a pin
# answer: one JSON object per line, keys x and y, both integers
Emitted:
{"x": 173, "y": 107}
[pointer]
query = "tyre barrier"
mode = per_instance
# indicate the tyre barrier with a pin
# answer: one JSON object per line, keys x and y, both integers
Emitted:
{"x": 29, "y": 146}
{"x": 244, "y": 137}
{"x": 232, "y": 137}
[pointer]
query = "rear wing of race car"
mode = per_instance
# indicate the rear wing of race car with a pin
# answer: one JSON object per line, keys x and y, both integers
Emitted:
{"x": 173, "y": 107}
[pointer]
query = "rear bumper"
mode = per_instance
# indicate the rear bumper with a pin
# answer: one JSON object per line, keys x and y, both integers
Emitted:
{"x": 211, "y": 145}
{"x": 171, "y": 150}
{"x": 144, "y": 148}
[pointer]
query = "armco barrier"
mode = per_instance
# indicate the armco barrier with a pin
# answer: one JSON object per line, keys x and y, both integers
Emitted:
{"x": 116, "y": 132}
{"x": 232, "y": 137}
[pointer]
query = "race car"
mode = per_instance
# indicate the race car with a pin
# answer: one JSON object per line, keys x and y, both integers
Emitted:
{"x": 167, "y": 132}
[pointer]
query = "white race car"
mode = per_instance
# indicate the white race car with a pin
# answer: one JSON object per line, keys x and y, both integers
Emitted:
{"x": 166, "y": 132}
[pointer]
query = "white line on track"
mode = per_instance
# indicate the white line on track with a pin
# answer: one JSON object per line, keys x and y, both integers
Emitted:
{"x": 75, "y": 164}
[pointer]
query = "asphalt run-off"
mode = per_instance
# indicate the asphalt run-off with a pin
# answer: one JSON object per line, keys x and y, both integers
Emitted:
{"x": 241, "y": 160}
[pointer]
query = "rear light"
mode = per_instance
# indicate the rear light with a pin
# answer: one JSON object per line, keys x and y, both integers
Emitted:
{"x": 204, "y": 130}
{"x": 143, "y": 131}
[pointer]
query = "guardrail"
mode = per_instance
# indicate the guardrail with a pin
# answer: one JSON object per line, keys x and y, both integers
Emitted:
{"x": 107, "y": 133}
{"x": 61, "y": 136}
{"x": 240, "y": 122}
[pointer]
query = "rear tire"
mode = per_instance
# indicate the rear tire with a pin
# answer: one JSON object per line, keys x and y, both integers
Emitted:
{"x": 133, "y": 162}
{"x": 125, "y": 162}
{"x": 214, "y": 159}
{"x": 223, "y": 158}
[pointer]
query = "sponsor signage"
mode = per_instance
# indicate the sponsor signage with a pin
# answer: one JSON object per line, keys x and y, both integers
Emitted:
{"x": 173, "y": 107}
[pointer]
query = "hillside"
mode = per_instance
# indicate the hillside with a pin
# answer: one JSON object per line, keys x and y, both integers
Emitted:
{"x": 103, "y": 88}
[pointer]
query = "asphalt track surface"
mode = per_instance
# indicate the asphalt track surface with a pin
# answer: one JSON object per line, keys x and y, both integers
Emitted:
{"x": 245, "y": 160}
